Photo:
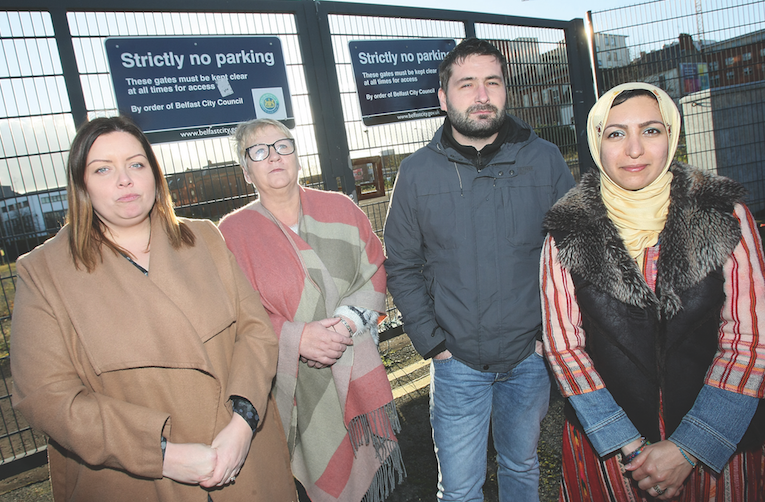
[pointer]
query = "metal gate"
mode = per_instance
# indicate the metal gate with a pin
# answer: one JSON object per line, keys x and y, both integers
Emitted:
{"x": 54, "y": 76}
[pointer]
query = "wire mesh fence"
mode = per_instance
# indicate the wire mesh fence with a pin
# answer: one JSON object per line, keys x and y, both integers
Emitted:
{"x": 709, "y": 55}
{"x": 540, "y": 85}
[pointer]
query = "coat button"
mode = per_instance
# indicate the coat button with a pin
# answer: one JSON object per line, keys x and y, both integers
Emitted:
{"x": 511, "y": 173}
{"x": 501, "y": 173}
{"x": 485, "y": 366}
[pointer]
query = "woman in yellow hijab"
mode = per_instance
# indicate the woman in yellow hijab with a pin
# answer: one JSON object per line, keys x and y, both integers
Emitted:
{"x": 654, "y": 300}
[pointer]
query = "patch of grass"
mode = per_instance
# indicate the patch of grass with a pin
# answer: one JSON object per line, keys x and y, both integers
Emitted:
{"x": 387, "y": 361}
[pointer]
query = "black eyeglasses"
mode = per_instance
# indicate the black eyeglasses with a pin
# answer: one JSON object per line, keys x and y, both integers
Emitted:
{"x": 261, "y": 151}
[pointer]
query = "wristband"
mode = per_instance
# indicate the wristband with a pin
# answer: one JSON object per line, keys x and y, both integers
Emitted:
{"x": 348, "y": 326}
{"x": 632, "y": 456}
{"x": 693, "y": 464}
{"x": 246, "y": 410}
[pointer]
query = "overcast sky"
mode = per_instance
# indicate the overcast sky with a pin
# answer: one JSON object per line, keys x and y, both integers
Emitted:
{"x": 548, "y": 9}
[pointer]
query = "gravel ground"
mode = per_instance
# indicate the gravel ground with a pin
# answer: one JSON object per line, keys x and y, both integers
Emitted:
{"x": 31, "y": 486}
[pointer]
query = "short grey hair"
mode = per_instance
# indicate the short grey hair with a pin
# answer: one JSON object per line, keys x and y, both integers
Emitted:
{"x": 246, "y": 130}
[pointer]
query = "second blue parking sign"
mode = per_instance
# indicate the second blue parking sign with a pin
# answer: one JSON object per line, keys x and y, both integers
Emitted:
{"x": 397, "y": 80}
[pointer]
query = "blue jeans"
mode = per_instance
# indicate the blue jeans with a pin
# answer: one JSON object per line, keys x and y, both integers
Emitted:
{"x": 461, "y": 402}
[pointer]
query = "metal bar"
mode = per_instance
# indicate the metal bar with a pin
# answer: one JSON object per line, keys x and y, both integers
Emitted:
{"x": 154, "y": 6}
{"x": 582, "y": 89}
{"x": 436, "y": 14}
{"x": 25, "y": 463}
{"x": 594, "y": 56}
{"x": 284, "y": 6}
{"x": 391, "y": 333}
{"x": 324, "y": 95}
{"x": 69, "y": 65}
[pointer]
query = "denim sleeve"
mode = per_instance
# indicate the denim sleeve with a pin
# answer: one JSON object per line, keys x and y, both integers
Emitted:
{"x": 604, "y": 421}
{"x": 714, "y": 425}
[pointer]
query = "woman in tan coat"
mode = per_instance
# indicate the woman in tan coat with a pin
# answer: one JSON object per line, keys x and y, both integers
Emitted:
{"x": 139, "y": 347}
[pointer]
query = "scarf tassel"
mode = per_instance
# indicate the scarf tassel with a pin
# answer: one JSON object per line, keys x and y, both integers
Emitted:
{"x": 384, "y": 480}
{"x": 376, "y": 426}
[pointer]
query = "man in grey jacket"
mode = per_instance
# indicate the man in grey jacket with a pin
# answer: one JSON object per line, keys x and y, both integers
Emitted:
{"x": 463, "y": 238}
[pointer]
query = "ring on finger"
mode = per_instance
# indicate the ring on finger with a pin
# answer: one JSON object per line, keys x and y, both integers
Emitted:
{"x": 658, "y": 490}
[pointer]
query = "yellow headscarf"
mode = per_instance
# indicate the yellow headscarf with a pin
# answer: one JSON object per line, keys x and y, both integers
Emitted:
{"x": 639, "y": 215}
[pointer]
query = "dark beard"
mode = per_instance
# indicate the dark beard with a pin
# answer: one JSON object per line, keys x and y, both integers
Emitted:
{"x": 471, "y": 129}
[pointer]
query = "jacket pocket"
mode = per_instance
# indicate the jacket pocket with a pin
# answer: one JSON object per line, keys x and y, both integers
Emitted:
{"x": 445, "y": 309}
{"x": 524, "y": 208}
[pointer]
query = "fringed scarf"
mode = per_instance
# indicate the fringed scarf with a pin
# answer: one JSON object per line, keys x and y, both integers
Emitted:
{"x": 340, "y": 421}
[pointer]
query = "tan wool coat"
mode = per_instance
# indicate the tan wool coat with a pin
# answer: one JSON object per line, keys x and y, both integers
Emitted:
{"x": 107, "y": 362}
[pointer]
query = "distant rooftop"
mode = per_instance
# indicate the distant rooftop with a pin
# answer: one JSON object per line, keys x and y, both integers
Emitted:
{"x": 749, "y": 38}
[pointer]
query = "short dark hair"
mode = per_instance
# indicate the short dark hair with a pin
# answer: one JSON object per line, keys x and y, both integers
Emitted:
{"x": 469, "y": 47}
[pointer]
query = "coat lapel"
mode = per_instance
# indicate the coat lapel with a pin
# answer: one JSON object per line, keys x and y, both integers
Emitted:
{"x": 114, "y": 308}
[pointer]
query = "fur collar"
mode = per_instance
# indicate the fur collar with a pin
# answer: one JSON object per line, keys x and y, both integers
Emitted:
{"x": 698, "y": 237}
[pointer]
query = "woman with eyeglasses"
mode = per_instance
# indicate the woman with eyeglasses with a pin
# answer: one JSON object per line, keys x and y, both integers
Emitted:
{"x": 318, "y": 266}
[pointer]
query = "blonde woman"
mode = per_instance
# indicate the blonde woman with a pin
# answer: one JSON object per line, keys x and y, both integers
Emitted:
{"x": 318, "y": 266}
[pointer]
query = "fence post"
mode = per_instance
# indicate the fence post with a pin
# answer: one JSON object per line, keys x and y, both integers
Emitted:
{"x": 69, "y": 65}
{"x": 324, "y": 96}
{"x": 582, "y": 88}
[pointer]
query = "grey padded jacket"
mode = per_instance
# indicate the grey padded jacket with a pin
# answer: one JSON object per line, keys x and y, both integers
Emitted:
{"x": 463, "y": 248}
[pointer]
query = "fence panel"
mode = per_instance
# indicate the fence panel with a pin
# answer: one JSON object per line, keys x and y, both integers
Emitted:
{"x": 35, "y": 131}
{"x": 710, "y": 58}
{"x": 37, "y": 126}
{"x": 540, "y": 82}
